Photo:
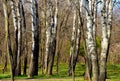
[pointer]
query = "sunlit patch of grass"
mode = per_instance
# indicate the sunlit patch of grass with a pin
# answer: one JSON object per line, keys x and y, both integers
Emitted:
{"x": 21, "y": 77}
{"x": 113, "y": 74}
{"x": 4, "y": 76}
{"x": 79, "y": 71}
{"x": 6, "y": 73}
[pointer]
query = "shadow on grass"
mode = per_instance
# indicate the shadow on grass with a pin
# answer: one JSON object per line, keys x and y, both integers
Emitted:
{"x": 113, "y": 72}
{"x": 4, "y": 76}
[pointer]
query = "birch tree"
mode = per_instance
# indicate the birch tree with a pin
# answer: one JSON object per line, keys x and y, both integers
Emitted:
{"x": 51, "y": 39}
{"x": 33, "y": 70}
{"x": 73, "y": 40}
{"x": 76, "y": 35}
{"x": 19, "y": 10}
{"x": 72, "y": 51}
{"x": 106, "y": 24}
{"x": 23, "y": 22}
{"x": 8, "y": 40}
{"x": 90, "y": 38}
{"x": 47, "y": 42}
{"x": 15, "y": 24}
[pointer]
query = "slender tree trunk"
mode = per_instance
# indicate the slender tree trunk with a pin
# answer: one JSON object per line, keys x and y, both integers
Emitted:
{"x": 90, "y": 41}
{"x": 109, "y": 24}
{"x": 19, "y": 10}
{"x": 25, "y": 64}
{"x": 47, "y": 40}
{"x": 58, "y": 52}
{"x": 51, "y": 56}
{"x": 77, "y": 38}
{"x": 26, "y": 54}
{"x": 57, "y": 61}
{"x": 5, "y": 63}
{"x": 78, "y": 35}
{"x": 72, "y": 49}
{"x": 106, "y": 34}
{"x": 52, "y": 48}
{"x": 51, "y": 40}
{"x": 57, "y": 49}
{"x": 23, "y": 23}
{"x": 47, "y": 49}
{"x": 33, "y": 70}
{"x": 94, "y": 56}
{"x": 8, "y": 41}
{"x": 42, "y": 56}
{"x": 88, "y": 72}
{"x": 14, "y": 14}
{"x": 104, "y": 42}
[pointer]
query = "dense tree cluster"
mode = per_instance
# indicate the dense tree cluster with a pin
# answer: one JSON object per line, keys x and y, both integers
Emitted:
{"x": 42, "y": 27}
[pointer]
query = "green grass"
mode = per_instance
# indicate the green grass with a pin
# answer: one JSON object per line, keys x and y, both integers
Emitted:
{"x": 113, "y": 74}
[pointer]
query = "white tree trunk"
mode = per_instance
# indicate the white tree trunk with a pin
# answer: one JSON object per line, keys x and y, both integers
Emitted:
{"x": 19, "y": 10}
{"x": 24, "y": 34}
{"x": 14, "y": 14}
{"x": 8, "y": 41}
{"x": 47, "y": 40}
{"x": 80, "y": 24}
{"x": 104, "y": 43}
{"x": 106, "y": 15}
{"x": 110, "y": 15}
{"x": 15, "y": 23}
{"x": 90, "y": 40}
{"x": 51, "y": 39}
{"x": 33, "y": 70}
{"x": 72, "y": 48}
{"x": 88, "y": 55}
{"x": 47, "y": 49}
{"x": 76, "y": 35}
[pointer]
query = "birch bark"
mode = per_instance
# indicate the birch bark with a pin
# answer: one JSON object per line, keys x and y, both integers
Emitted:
{"x": 106, "y": 18}
{"x": 15, "y": 23}
{"x": 72, "y": 48}
{"x": 33, "y": 70}
{"x": 47, "y": 40}
{"x": 76, "y": 35}
{"x": 88, "y": 72}
{"x": 90, "y": 40}
{"x": 53, "y": 25}
{"x": 19, "y": 10}
{"x": 104, "y": 42}
{"x": 51, "y": 39}
{"x": 23, "y": 23}
{"x": 8, "y": 41}
{"x": 94, "y": 56}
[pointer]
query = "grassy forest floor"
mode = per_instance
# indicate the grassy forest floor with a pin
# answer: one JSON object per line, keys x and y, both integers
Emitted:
{"x": 113, "y": 74}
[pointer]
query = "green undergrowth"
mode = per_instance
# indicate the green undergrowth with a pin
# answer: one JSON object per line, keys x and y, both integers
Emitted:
{"x": 113, "y": 73}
